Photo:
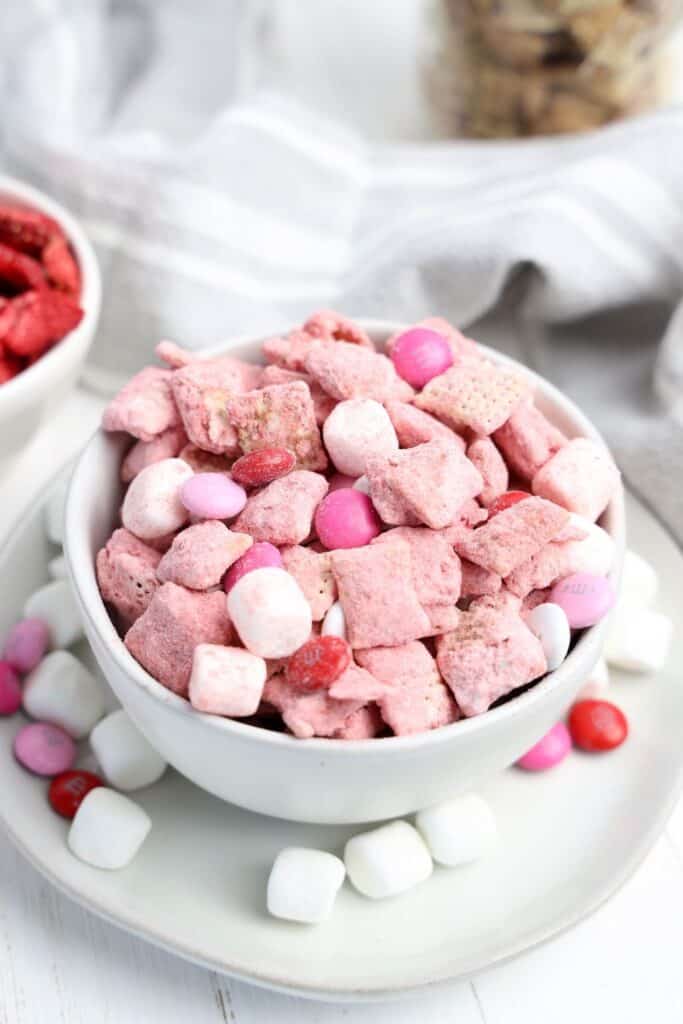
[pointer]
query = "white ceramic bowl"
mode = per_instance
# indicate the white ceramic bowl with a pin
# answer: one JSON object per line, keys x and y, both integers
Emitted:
{"x": 316, "y": 780}
{"x": 28, "y": 397}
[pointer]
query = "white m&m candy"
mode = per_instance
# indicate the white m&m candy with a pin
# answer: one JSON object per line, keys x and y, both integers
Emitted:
{"x": 270, "y": 613}
{"x": 126, "y": 758}
{"x": 355, "y": 429}
{"x": 152, "y": 507}
{"x": 56, "y": 605}
{"x": 458, "y": 831}
{"x": 303, "y": 884}
{"x": 62, "y": 691}
{"x": 387, "y": 860}
{"x": 549, "y": 623}
{"x": 108, "y": 829}
{"x": 334, "y": 623}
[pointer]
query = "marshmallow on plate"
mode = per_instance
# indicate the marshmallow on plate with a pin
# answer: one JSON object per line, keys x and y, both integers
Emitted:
{"x": 56, "y": 605}
{"x": 54, "y": 511}
{"x": 226, "y": 680}
{"x": 303, "y": 884}
{"x": 638, "y": 639}
{"x": 56, "y": 568}
{"x": 388, "y": 860}
{"x": 269, "y": 611}
{"x": 152, "y": 507}
{"x": 355, "y": 429}
{"x": 639, "y": 582}
{"x": 62, "y": 691}
{"x": 458, "y": 831}
{"x": 596, "y": 683}
{"x": 108, "y": 829}
{"x": 126, "y": 758}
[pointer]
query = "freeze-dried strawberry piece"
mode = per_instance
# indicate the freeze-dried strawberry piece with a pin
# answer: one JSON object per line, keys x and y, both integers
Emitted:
{"x": 9, "y": 367}
{"x": 61, "y": 267}
{"x": 26, "y": 230}
{"x": 35, "y": 320}
{"x": 20, "y": 270}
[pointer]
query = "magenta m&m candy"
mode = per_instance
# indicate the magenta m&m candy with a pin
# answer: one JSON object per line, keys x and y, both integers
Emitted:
{"x": 212, "y": 496}
{"x": 550, "y": 750}
{"x": 346, "y": 519}
{"x": 26, "y": 644}
{"x": 10, "y": 689}
{"x": 584, "y": 598}
{"x": 260, "y": 555}
{"x": 420, "y": 354}
{"x": 44, "y": 749}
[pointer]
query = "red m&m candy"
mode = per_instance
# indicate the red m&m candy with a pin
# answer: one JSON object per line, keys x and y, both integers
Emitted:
{"x": 597, "y": 725}
{"x": 317, "y": 664}
{"x": 506, "y": 500}
{"x": 68, "y": 790}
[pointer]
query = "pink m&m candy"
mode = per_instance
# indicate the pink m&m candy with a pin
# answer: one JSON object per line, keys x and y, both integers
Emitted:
{"x": 346, "y": 519}
{"x": 44, "y": 749}
{"x": 26, "y": 644}
{"x": 212, "y": 496}
{"x": 549, "y": 751}
{"x": 261, "y": 555}
{"x": 584, "y": 598}
{"x": 10, "y": 689}
{"x": 420, "y": 354}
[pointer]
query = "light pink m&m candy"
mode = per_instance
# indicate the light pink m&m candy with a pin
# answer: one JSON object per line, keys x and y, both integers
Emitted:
{"x": 420, "y": 354}
{"x": 549, "y": 751}
{"x": 584, "y": 598}
{"x": 346, "y": 519}
{"x": 44, "y": 749}
{"x": 212, "y": 496}
{"x": 26, "y": 644}
{"x": 10, "y": 689}
{"x": 261, "y": 555}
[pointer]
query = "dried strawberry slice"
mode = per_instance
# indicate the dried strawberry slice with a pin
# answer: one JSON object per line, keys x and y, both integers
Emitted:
{"x": 40, "y": 318}
{"x": 61, "y": 267}
{"x": 20, "y": 270}
{"x": 26, "y": 230}
{"x": 9, "y": 367}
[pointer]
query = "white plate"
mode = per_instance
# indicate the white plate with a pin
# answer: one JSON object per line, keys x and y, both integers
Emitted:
{"x": 570, "y": 838}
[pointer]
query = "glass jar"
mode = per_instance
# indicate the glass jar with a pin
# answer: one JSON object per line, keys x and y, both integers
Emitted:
{"x": 500, "y": 68}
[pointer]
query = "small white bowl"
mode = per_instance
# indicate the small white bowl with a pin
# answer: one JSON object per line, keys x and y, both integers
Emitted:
{"x": 317, "y": 780}
{"x": 25, "y": 400}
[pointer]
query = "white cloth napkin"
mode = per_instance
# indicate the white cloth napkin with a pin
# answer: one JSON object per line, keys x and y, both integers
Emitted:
{"x": 215, "y": 215}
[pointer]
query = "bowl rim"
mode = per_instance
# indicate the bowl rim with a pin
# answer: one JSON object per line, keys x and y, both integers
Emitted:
{"x": 13, "y": 189}
{"x": 81, "y": 566}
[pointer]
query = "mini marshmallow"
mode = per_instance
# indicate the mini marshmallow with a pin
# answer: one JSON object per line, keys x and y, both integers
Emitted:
{"x": 62, "y": 691}
{"x": 638, "y": 639}
{"x": 458, "y": 831}
{"x": 388, "y": 860}
{"x": 549, "y": 623}
{"x": 596, "y": 683}
{"x": 56, "y": 605}
{"x": 639, "y": 582}
{"x": 127, "y": 759}
{"x": 108, "y": 829}
{"x": 54, "y": 512}
{"x": 270, "y": 612}
{"x": 334, "y": 623}
{"x": 303, "y": 884}
{"x": 355, "y": 429}
{"x": 56, "y": 568}
{"x": 152, "y": 507}
{"x": 226, "y": 680}
{"x": 362, "y": 484}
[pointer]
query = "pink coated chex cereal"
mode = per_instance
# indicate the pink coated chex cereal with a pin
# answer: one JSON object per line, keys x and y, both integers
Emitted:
{"x": 313, "y": 572}
{"x": 279, "y": 416}
{"x": 435, "y": 565}
{"x": 478, "y": 397}
{"x": 331, "y": 326}
{"x": 581, "y": 477}
{"x": 364, "y": 724}
{"x": 351, "y": 371}
{"x": 200, "y": 555}
{"x": 126, "y": 574}
{"x": 484, "y": 455}
{"x": 415, "y": 699}
{"x": 144, "y": 407}
{"x": 309, "y": 714}
{"x": 282, "y": 513}
{"x": 377, "y": 595}
{"x": 173, "y": 355}
{"x": 323, "y": 404}
{"x": 527, "y": 440}
{"x": 202, "y": 390}
{"x": 144, "y": 453}
{"x": 427, "y": 484}
{"x": 413, "y": 426}
{"x": 163, "y": 639}
{"x": 511, "y": 537}
{"x": 478, "y": 582}
{"x": 289, "y": 352}
{"x": 205, "y": 462}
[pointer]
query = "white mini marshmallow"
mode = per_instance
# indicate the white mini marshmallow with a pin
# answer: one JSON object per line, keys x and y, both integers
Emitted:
{"x": 639, "y": 581}
{"x": 596, "y": 683}
{"x": 56, "y": 568}
{"x": 638, "y": 639}
{"x": 549, "y": 623}
{"x": 56, "y": 605}
{"x": 594, "y": 554}
{"x": 388, "y": 860}
{"x": 303, "y": 884}
{"x": 355, "y": 429}
{"x": 62, "y": 691}
{"x": 152, "y": 506}
{"x": 334, "y": 623}
{"x": 54, "y": 511}
{"x": 458, "y": 831}
{"x": 226, "y": 680}
{"x": 269, "y": 611}
{"x": 127, "y": 759}
{"x": 108, "y": 829}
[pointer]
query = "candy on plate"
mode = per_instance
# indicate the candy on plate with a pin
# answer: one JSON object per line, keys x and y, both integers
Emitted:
{"x": 108, "y": 829}
{"x": 127, "y": 758}
{"x": 387, "y": 860}
{"x": 551, "y": 750}
{"x": 303, "y": 884}
{"x": 458, "y": 831}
